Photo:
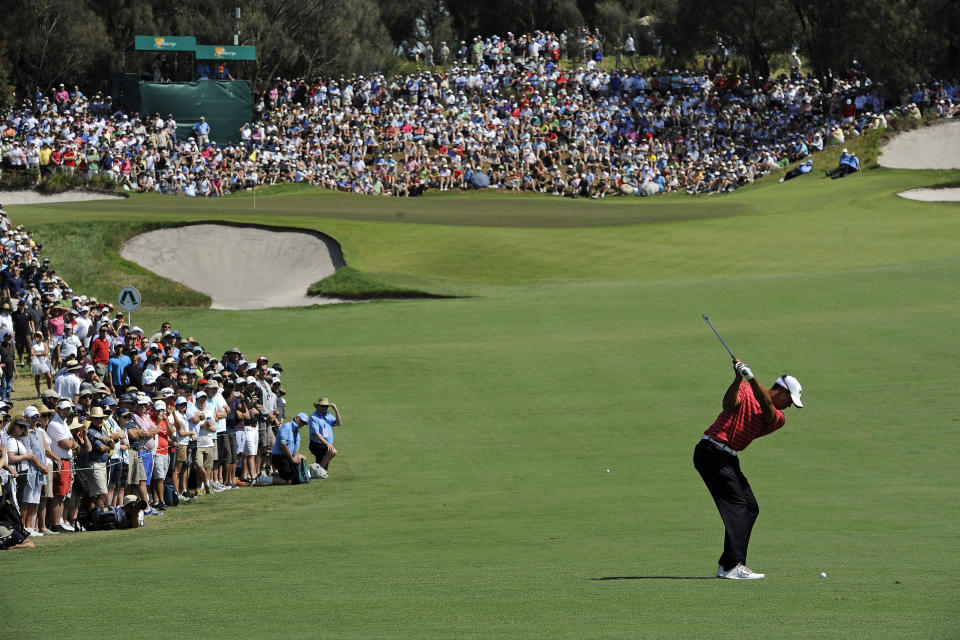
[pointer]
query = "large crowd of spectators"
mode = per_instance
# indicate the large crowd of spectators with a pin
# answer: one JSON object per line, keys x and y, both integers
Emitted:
{"x": 120, "y": 418}
{"x": 508, "y": 114}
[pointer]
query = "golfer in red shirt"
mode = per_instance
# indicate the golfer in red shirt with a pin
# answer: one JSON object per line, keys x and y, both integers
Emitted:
{"x": 749, "y": 411}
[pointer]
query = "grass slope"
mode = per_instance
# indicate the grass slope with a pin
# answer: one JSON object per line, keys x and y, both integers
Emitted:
{"x": 471, "y": 498}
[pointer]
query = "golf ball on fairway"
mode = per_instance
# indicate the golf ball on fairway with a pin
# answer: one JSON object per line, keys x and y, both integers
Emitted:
{"x": 823, "y": 575}
{"x": 608, "y": 470}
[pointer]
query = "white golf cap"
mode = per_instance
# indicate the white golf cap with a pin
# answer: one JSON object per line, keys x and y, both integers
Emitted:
{"x": 792, "y": 385}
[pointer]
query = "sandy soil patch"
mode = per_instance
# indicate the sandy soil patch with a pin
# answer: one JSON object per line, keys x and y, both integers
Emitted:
{"x": 239, "y": 267}
{"x": 933, "y": 147}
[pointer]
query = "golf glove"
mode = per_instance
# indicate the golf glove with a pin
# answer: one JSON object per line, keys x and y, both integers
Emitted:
{"x": 745, "y": 372}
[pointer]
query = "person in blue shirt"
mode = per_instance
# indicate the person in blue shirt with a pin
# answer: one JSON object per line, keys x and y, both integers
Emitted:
{"x": 286, "y": 450}
{"x": 116, "y": 366}
{"x": 202, "y": 129}
{"x": 844, "y": 159}
{"x": 848, "y": 164}
{"x": 322, "y": 422}
{"x": 803, "y": 168}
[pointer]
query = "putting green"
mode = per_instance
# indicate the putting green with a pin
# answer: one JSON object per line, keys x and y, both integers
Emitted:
{"x": 471, "y": 497}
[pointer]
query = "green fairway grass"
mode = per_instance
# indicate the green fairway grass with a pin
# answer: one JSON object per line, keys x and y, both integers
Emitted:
{"x": 471, "y": 497}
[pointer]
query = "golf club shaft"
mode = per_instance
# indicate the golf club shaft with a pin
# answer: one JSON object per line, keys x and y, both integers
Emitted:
{"x": 707, "y": 320}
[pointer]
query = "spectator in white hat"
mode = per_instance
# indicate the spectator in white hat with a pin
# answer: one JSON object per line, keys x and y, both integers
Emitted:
{"x": 205, "y": 426}
{"x": 185, "y": 436}
{"x": 223, "y": 469}
{"x": 82, "y": 325}
{"x": 68, "y": 384}
{"x": 63, "y": 445}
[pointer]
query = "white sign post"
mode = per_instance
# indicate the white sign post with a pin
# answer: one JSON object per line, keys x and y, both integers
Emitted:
{"x": 129, "y": 300}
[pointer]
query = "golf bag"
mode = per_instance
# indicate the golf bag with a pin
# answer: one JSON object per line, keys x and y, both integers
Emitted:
{"x": 12, "y": 532}
{"x": 171, "y": 497}
{"x": 104, "y": 519}
{"x": 110, "y": 518}
{"x": 9, "y": 513}
{"x": 300, "y": 474}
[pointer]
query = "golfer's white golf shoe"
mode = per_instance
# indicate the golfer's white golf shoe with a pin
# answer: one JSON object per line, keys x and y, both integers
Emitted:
{"x": 740, "y": 572}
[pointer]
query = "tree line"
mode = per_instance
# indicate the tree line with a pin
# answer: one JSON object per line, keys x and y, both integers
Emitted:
{"x": 85, "y": 42}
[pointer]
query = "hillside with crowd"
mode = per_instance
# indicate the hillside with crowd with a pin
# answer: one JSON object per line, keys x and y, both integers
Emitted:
{"x": 121, "y": 424}
{"x": 536, "y": 112}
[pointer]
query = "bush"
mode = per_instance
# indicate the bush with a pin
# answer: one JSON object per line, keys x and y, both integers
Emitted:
{"x": 19, "y": 178}
{"x": 102, "y": 182}
{"x": 60, "y": 182}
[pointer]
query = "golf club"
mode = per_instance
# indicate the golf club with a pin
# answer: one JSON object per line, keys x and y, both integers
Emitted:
{"x": 707, "y": 320}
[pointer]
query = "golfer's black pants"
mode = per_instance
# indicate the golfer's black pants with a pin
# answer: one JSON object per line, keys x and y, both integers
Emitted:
{"x": 734, "y": 498}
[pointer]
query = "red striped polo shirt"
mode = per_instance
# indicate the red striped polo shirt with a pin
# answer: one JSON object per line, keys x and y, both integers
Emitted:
{"x": 741, "y": 426}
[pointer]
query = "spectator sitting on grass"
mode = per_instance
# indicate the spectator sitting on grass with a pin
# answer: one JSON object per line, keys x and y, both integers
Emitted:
{"x": 849, "y": 163}
{"x": 803, "y": 168}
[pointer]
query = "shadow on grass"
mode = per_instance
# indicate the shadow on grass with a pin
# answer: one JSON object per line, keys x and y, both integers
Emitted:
{"x": 655, "y": 578}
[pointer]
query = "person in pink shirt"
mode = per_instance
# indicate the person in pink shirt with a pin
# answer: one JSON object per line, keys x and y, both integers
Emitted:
{"x": 55, "y": 329}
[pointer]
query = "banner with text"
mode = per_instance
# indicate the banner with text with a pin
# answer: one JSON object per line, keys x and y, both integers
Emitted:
{"x": 218, "y": 52}
{"x": 165, "y": 43}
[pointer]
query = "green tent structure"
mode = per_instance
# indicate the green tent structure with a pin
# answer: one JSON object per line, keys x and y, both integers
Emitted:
{"x": 226, "y": 105}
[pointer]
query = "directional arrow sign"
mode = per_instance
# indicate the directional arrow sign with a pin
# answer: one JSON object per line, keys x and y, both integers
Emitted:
{"x": 129, "y": 299}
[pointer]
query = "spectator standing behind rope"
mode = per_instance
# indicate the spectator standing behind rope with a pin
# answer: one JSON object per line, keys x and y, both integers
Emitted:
{"x": 161, "y": 456}
{"x": 101, "y": 445}
{"x": 36, "y": 479}
{"x": 141, "y": 445}
{"x": 185, "y": 436}
{"x": 63, "y": 446}
{"x": 205, "y": 427}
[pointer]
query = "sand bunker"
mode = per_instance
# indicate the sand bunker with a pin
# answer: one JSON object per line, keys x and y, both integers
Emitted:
{"x": 932, "y": 195}
{"x": 240, "y": 267}
{"x": 32, "y": 197}
{"x": 933, "y": 147}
